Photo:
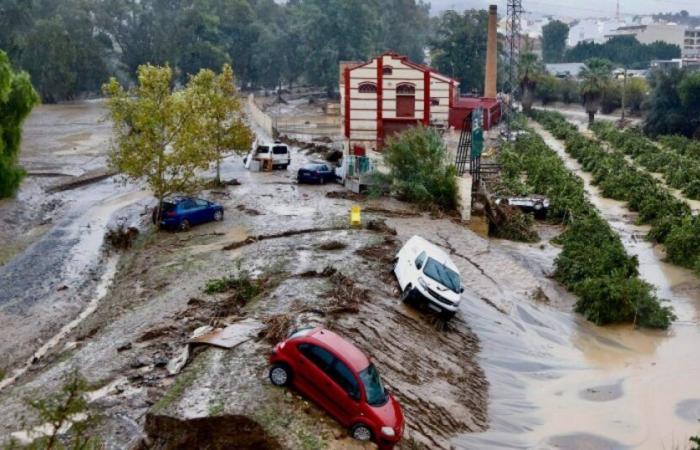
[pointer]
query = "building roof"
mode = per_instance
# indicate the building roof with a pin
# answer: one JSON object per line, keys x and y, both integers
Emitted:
{"x": 408, "y": 62}
{"x": 565, "y": 69}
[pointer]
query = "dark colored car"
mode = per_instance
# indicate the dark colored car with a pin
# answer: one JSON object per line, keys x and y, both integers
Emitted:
{"x": 336, "y": 375}
{"x": 180, "y": 213}
{"x": 318, "y": 173}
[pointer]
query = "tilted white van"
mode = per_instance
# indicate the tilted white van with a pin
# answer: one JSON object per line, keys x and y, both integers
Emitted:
{"x": 424, "y": 271}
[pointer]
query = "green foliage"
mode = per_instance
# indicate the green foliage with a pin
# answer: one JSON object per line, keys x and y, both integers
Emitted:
{"x": 71, "y": 47}
{"x": 593, "y": 263}
{"x": 548, "y": 89}
{"x": 167, "y": 137}
{"x": 595, "y": 79}
{"x": 459, "y": 47}
{"x": 420, "y": 169}
{"x": 245, "y": 287}
{"x": 695, "y": 441}
{"x": 554, "y": 36}
{"x": 530, "y": 72}
{"x": 222, "y": 125}
{"x": 625, "y": 51}
{"x": 17, "y": 98}
{"x": 672, "y": 222}
{"x": 636, "y": 92}
{"x": 612, "y": 97}
{"x": 673, "y": 104}
{"x": 568, "y": 88}
{"x": 65, "y": 411}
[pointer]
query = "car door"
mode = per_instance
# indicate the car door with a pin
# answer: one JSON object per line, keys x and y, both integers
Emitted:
{"x": 205, "y": 212}
{"x": 317, "y": 363}
{"x": 345, "y": 389}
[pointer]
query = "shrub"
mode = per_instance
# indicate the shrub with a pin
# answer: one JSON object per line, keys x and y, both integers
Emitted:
{"x": 420, "y": 170}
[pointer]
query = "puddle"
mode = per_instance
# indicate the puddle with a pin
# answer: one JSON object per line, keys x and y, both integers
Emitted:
{"x": 558, "y": 381}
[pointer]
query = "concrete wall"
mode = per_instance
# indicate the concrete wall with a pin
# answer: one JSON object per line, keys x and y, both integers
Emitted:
{"x": 464, "y": 188}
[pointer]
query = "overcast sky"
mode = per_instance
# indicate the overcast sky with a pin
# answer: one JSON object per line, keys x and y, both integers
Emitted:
{"x": 577, "y": 8}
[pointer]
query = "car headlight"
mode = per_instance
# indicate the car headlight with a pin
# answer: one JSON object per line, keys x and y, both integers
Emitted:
{"x": 388, "y": 432}
{"x": 422, "y": 282}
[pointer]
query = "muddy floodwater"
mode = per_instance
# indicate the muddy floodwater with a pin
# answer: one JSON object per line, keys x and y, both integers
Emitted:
{"x": 559, "y": 382}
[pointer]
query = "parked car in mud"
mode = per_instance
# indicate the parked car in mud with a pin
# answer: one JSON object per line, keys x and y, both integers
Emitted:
{"x": 316, "y": 173}
{"x": 180, "y": 213}
{"x": 277, "y": 152}
{"x": 536, "y": 204}
{"x": 335, "y": 374}
{"x": 426, "y": 272}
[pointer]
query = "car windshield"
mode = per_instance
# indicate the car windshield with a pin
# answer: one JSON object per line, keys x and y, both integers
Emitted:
{"x": 279, "y": 150}
{"x": 376, "y": 395}
{"x": 442, "y": 274}
{"x": 263, "y": 149}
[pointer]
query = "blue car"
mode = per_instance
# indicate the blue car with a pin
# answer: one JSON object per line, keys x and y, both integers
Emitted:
{"x": 180, "y": 213}
{"x": 317, "y": 173}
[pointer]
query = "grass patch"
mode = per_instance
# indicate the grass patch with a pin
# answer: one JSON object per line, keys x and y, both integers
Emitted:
{"x": 182, "y": 382}
{"x": 332, "y": 245}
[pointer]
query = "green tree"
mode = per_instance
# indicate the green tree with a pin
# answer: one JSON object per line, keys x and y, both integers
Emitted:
{"x": 157, "y": 133}
{"x": 67, "y": 412}
{"x": 215, "y": 101}
{"x": 569, "y": 91}
{"x": 689, "y": 93}
{"x": 17, "y": 98}
{"x": 624, "y": 50}
{"x": 548, "y": 89}
{"x": 458, "y": 48}
{"x": 530, "y": 71}
{"x": 554, "y": 36}
{"x": 595, "y": 78}
{"x": 667, "y": 114}
{"x": 612, "y": 97}
{"x": 636, "y": 93}
{"x": 420, "y": 169}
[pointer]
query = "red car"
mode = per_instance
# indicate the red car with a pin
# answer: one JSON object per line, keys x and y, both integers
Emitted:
{"x": 338, "y": 376}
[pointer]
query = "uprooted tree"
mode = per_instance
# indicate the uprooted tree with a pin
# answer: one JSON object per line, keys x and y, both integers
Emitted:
{"x": 420, "y": 170}
{"x": 166, "y": 137}
{"x": 17, "y": 98}
{"x": 218, "y": 108}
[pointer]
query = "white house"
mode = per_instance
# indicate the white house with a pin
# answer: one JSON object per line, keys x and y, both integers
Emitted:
{"x": 388, "y": 94}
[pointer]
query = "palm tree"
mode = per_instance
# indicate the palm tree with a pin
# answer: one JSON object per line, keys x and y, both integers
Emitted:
{"x": 595, "y": 79}
{"x": 530, "y": 70}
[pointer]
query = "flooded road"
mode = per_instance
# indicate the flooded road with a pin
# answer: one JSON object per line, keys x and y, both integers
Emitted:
{"x": 50, "y": 281}
{"x": 560, "y": 382}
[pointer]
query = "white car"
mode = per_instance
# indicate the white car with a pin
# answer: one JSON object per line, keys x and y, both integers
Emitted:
{"x": 277, "y": 151}
{"x": 425, "y": 271}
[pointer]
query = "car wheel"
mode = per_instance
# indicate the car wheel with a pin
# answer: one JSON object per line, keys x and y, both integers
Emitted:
{"x": 280, "y": 374}
{"x": 218, "y": 216}
{"x": 185, "y": 225}
{"x": 286, "y": 166}
{"x": 406, "y": 294}
{"x": 361, "y": 432}
{"x": 538, "y": 206}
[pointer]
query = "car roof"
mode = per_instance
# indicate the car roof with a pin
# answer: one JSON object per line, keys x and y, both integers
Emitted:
{"x": 433, "y": 251}
{"x": 357, "y": 360}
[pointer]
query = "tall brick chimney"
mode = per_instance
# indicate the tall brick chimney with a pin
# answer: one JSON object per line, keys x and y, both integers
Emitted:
{"x": 491, "y": 54}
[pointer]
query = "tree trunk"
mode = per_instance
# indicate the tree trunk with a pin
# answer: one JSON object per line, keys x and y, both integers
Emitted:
{"x": 527, "y": 101}
{"x": 218, "y": 168}
{"x": 591, "y": 118}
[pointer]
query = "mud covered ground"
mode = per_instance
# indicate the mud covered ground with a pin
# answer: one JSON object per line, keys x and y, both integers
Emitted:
{"x": 339, "y": 278}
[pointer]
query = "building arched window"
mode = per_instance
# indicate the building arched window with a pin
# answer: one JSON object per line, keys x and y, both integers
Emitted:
{"x": 405, "y": 89}
{"x": 368, "y": 88}
{"x": 387, "y": 70}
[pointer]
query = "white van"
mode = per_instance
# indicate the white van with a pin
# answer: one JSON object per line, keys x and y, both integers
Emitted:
{"x": 277, "y": 151}
{"x": 426, "y": 272}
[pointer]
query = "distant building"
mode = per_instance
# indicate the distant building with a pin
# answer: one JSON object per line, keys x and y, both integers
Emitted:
{"x": 591, "y": 30}
{"x": 565, "y": 70}
{"x": 677, "y": 63}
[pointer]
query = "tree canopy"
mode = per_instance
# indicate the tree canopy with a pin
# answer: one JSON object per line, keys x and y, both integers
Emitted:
{"x": 70, "y": 47}
{"x": 554, "y": 36}
{"x": 458, "y": 48}
{"x": 674, "y": 104}
{"x": 17, "y": 98}
{"x": 624, "y": 50}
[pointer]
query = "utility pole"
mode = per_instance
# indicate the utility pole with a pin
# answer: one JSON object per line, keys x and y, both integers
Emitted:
{"x": 624, "y": 97}
{"x": 514, "y": 12}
